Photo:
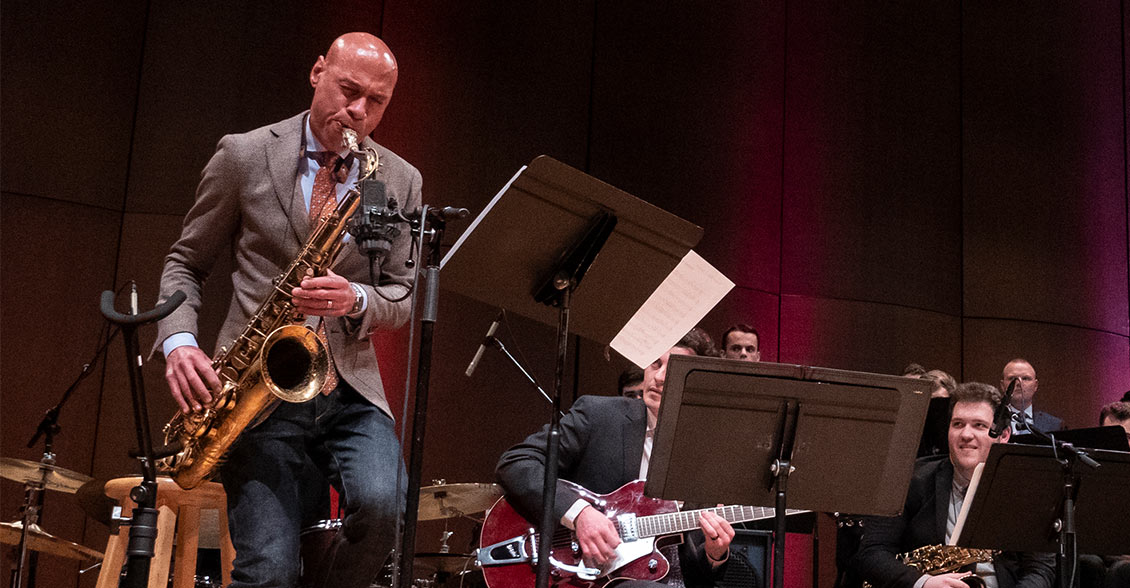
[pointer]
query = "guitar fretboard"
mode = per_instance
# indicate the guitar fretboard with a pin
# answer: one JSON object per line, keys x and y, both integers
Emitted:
{"x": 678, "y": 522}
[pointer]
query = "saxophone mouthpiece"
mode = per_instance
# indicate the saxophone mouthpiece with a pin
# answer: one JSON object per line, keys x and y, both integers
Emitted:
{"x": 349, "y": 139}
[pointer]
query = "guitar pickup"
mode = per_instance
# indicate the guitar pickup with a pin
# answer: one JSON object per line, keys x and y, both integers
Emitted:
{"x": 510, "y": 551}
{"x": 627, "y": 524}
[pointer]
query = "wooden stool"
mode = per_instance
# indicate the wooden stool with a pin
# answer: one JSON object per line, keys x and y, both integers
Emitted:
{"x": 177, "y": 509}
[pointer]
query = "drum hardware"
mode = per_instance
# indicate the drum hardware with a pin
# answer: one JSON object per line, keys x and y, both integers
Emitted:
{"x": 26, "y": 535}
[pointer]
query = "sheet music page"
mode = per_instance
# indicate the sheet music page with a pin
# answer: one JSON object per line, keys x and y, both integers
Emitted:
{"x": 676, "y": 306}
{"x": 965, "y": 504}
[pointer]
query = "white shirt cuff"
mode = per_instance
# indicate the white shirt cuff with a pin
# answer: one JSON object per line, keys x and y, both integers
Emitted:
{"x": 178, "y": 340}
{"x": 571, "y": 514}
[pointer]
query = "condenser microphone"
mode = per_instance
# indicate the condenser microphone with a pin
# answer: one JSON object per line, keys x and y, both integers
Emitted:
{"x": 373, "y": 227}
{"x": 1002, "y": 419}
{"x": 483, "y": 346}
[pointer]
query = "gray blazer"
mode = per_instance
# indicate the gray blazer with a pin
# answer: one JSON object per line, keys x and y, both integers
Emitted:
{"x": 250, "y": 199}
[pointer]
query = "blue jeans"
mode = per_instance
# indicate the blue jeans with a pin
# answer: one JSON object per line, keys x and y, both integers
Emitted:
{"x": 355, "y": 447}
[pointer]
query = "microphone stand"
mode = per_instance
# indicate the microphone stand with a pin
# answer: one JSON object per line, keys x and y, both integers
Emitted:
{"x": 373, "y": 232}
{"x": 143, "y": 525}
{"x": 494, "y": 341}
{"x": 1068, "y": 456}
{"x": 48, "y": 428}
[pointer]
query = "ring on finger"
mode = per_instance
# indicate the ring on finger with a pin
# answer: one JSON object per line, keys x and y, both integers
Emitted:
{"x": 329, "y": 304}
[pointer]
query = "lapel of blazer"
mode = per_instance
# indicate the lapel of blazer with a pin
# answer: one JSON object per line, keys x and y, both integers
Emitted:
{"x": 282, "y": 153}
{"x": 634, "y": 431}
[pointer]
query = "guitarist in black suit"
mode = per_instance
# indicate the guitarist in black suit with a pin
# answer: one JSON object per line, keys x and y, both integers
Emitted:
{"x": 605, "y": 443}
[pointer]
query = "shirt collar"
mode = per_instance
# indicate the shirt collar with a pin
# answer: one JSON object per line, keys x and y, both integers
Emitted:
{"x": 652, "y": 420}
{"x": 311, "y": 142}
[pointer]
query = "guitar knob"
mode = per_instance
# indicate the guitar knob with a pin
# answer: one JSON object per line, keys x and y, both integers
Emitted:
{"x": 575, "y": 548}
{"x": 652, "y": 565}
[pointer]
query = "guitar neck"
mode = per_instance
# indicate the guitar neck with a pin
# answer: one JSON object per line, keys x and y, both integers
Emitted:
{"x": 679, "y": 522}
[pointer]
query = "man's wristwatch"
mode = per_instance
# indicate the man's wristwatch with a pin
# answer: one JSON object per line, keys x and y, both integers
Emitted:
{"x": 358, "y": 298}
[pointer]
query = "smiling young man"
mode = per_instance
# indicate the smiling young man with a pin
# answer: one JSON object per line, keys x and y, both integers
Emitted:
{"x": 605, "y": 443}
{"x": 259, "y": 197}
{"x": 933, "y": 501}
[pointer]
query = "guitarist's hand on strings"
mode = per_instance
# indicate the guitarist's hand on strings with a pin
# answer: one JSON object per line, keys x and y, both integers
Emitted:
{"x": 719, "y": 533}
{"x": 596, "y": 535}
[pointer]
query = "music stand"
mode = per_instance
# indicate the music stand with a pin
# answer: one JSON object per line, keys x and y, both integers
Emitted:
{"x": 1112, "y": 438}
{"x": 531, "y": 246}
{"x": 1020, "y": 498}
{"x": 840, "y": 440}
{"x": 545, "y": 208}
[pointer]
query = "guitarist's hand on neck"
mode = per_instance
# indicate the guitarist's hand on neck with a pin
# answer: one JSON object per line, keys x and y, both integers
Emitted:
{"x": 596, "y": 535}
{"x": 719, "y": 533}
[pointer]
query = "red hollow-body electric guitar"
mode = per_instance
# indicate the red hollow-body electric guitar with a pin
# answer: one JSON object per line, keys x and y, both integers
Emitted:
{"x": 508, "y": 542}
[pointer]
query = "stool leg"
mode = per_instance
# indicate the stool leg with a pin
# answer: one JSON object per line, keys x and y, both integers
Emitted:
{"x": 112, "y": 561}
{"x": 227, "y": 550}
{"x": 188, "y": 540}
{"x": 163, "y": 550}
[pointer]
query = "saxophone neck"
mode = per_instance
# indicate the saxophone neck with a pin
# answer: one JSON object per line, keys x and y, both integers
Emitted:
{"x": 366, "y": 155}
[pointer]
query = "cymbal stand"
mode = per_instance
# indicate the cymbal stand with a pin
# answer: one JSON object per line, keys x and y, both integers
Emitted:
{"x": 143, "y": 525}
{"x": 34, "y": 495}
{"x": 33, "y": 505}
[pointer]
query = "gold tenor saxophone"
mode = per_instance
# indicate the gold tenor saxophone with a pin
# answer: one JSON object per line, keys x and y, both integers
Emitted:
{"x": 275, "y": 358}
{"x": 942, "y": 559}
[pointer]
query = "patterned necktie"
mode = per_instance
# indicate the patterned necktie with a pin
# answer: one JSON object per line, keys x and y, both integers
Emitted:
{"x": 325, "y": 184}
{"x": 325, "y": 192}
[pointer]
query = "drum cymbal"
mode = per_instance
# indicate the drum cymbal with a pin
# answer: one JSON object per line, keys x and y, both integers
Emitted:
{"x": 34, "y": 472}
{"x": 40, "y": 540}
{"x": 451, "y": 563}
{"x": 454, "y": 500}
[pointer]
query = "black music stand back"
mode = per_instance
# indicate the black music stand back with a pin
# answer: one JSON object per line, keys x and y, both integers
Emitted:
{"x": 722, "y": 427}
{"x": 528, "y": 250}
{"x": 1020, "y": 496}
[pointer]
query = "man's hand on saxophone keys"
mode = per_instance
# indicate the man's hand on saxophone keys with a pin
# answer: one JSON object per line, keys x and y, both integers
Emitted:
{"x": 191, "y": 378}
{"x": 328, "y": 295}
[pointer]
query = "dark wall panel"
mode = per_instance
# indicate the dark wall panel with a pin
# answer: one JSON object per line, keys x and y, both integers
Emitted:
{"x": 686, "y": 115}
{"x": 1079, "y": 369}
{"x": 70, "y": 79}
{"x": 213, "y": 68}
{"x": 1044, "y": 166}
{"x": 58, "y": 257}
{"x": 871, "y": 207}
{"x": 484, "y": 90}
{"x": 866, "y": 336}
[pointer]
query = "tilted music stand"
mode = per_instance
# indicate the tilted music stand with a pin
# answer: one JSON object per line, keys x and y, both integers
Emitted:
{"x": 531, "y": 246}
{"x": 765, "y": 434}
{"x": 1020, "y": 505}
